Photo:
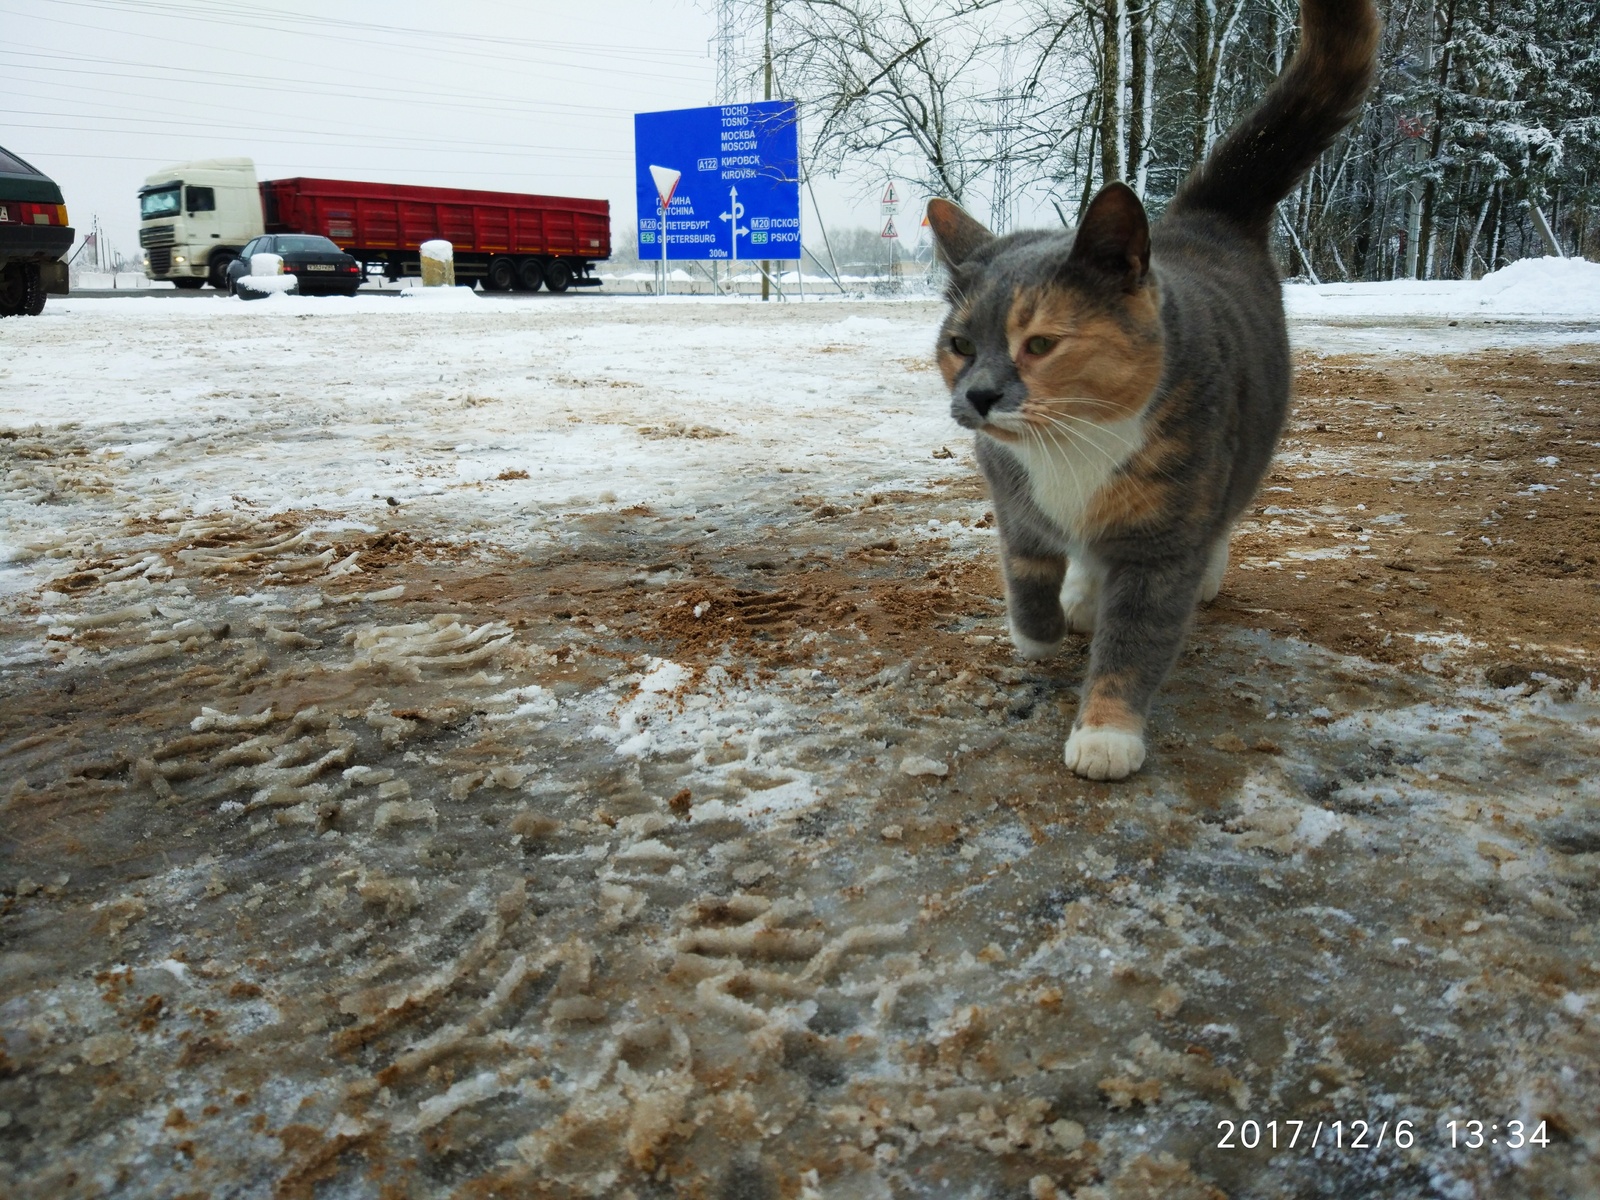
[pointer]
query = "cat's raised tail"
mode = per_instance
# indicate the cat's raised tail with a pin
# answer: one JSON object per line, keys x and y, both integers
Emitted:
{"x": 1260, "y": 160}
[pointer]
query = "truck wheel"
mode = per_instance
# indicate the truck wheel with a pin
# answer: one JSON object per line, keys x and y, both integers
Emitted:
{"x": 500, "y": 276}
{"x": 218, "y": 278}
{"x": 34, "y": 305}
{"x": 531, "y": 272}
{"x": 21, "y": 290}
{"x": 188, "y": 285}
{"x": 558, "y": 276}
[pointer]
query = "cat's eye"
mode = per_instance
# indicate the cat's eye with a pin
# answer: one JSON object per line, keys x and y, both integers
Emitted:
{"x": 963, "y": 346}
{"x": 1039, "y": 345}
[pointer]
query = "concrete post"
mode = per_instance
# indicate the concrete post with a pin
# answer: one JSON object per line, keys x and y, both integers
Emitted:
{"x": 1546, "y": 234}
{"x": 438, "y": 264}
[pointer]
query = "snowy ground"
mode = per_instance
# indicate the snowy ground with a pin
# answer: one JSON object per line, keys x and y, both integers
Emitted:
{"x": 459, "y": 747}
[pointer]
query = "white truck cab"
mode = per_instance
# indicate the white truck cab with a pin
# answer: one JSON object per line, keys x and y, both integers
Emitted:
{"x": 195, "y": 217}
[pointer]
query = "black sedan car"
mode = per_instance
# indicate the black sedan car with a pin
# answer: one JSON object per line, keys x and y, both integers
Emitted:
{"x": 34, "y": 238}
{"x": 318, "y": 266}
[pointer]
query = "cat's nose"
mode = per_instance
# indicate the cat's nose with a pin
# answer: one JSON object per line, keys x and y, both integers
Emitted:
{"x": 983, "y": 399}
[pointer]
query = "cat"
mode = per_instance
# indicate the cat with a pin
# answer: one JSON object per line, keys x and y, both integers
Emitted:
{"x": 1127, "y": 385}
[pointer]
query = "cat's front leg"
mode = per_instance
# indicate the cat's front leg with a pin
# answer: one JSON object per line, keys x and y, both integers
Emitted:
{"x": 1144, "y": 614}
{"x": 1033, "y": 602}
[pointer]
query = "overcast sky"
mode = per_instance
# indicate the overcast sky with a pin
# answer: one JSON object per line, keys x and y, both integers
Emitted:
{"x": 533, "y": 95}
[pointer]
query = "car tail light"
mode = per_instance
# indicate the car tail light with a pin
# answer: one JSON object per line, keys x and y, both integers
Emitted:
{"x": 25, "y": 213}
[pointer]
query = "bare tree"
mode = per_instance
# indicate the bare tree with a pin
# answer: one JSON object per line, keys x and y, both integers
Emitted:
{"x": 885, "y": 81}
{"x": 1480, "y": 144}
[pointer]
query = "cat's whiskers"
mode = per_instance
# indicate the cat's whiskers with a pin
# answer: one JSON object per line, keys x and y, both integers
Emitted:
{"x": 1099, "y": 429}
{"x": 1095, "y": 428}
{"x": 1058, "y": 427}
{"x": 1082, "y": 402}
{"x": 1059, "y": 434}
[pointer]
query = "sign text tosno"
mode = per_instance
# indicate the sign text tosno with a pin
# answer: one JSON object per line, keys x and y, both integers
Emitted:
{"x": 738, "y": 191}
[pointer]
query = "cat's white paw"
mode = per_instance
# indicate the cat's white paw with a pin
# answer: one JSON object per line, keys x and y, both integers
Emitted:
{"x": 1080, "y": 594}
{"x": 1030, "y": 649}
{"x": 1080, "y": 607}
{"x": 1100, "y": 753}
{"x": 1215, "y": 569}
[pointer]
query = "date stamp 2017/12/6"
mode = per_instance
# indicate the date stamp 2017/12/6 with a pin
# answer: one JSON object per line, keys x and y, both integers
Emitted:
{"x": 1374, "y": 1136}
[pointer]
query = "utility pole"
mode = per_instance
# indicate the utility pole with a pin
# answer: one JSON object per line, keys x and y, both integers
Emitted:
{"x": 727, "y": 66}
{"x": 766, "y": 264}
{"x": 1005, "y": 103}
{"x": 727, "y": 85}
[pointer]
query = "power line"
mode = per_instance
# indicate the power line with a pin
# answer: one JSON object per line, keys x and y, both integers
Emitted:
{"x": 38, "y": 156}
{"x": 446, "y": 144}
{"x": 237, "y": 17}
{"x": 75, "y": 92}
{"x": 432, "y": 50}
{"x": 552, "y": 152}
{"x": 384, "y": 95}
{"x": 650, "y": 53}
{"x": 24, "y": 50}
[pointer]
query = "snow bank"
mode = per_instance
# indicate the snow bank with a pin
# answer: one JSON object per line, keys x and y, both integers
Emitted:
{"x": 1551, "y": 287}
{"x": 270, "y": 285}
{"x": 451, "y": 298}
{"x": 1547, "y": 285}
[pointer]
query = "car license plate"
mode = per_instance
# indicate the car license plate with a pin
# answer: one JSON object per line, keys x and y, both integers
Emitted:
{"x": 319, "y": 266}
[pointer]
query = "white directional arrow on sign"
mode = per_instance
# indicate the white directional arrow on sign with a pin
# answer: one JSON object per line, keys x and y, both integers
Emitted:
{"x": 735, "y": 211}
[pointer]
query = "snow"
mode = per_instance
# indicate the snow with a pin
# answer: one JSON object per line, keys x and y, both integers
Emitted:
{"x": 270, "y": 286}
{"x": 266, "y": 264}
{"x": 566, "y": 391}
{"x": 952, "y": 933}
{"x": 438, "y": 249}
{"x": 1533, "y": 287}
{"x": 438, "y": 299}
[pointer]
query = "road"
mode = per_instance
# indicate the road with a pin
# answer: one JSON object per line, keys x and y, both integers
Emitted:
{"x": 575, "y": 750}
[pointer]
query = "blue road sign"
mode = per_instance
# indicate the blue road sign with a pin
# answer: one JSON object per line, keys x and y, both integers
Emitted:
{"x": 732, "y": 175}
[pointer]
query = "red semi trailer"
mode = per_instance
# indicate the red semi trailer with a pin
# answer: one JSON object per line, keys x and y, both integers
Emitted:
{"x": 196, "y": 217}
{"x": 506, "y": 239}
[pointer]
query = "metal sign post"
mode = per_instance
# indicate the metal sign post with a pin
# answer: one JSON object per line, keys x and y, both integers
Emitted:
{"x": 666, "y": 181}
{"x": 892, "y": 235}
{"x": 890, "y": 204}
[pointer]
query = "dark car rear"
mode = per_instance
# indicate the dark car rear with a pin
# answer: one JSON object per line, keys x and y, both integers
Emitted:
{"x": 319, "y": 266}
{"x": 34, "y": 237}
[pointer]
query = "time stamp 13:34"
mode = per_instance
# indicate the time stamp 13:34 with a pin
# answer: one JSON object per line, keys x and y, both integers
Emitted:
{"x": 1374, "y": 1135}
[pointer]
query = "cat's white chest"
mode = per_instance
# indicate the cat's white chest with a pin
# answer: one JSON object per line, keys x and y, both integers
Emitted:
{"x": 1065, "y": 472}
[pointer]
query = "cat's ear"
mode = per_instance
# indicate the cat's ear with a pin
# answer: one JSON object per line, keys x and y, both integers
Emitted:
{"x": 956, "y": 234}
{"x": 1114, "y": 237}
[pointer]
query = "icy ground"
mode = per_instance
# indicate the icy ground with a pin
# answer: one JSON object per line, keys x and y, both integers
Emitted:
{"x": 571, "y": 748}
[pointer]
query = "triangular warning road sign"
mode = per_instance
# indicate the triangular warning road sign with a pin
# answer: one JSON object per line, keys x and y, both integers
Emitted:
{"x": 889, "y": 229}
{"x": 889, "y": 196}
{"x": 666, "y": 183}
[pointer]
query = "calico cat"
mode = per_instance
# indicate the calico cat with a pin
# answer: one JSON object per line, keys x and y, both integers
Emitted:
{"x": 1127, "y": 385}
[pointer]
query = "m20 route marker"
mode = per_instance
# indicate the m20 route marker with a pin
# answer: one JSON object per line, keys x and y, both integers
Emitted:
{"x": 740, "y": 162}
